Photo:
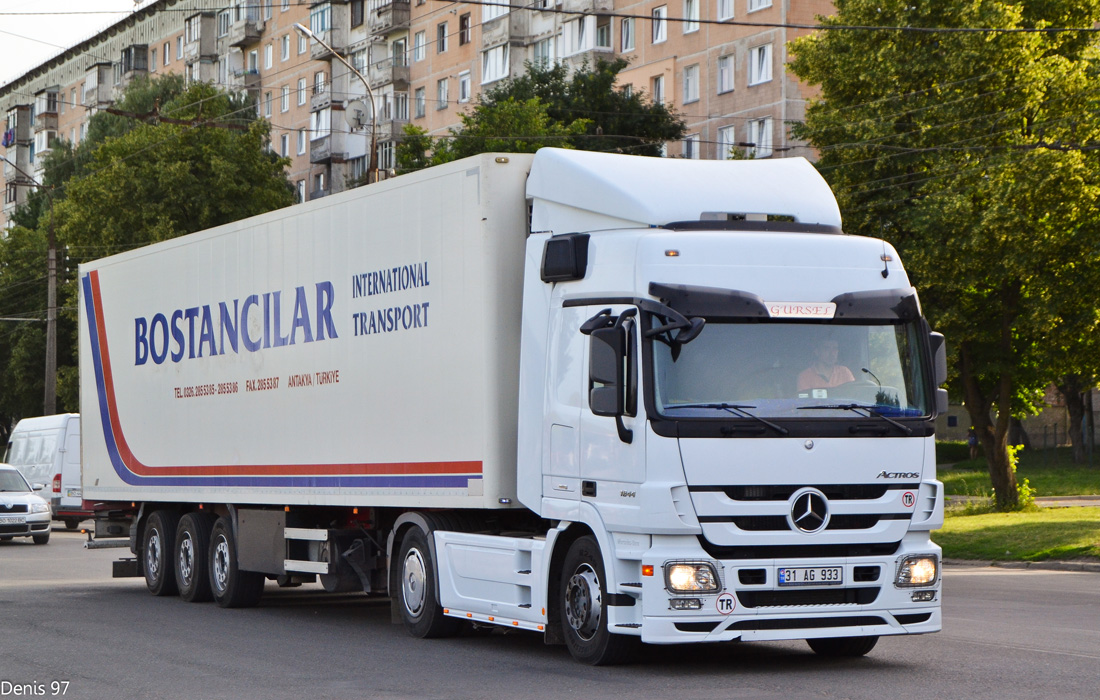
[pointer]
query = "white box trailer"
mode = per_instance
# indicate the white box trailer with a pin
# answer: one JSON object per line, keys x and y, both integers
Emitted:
{"x": 571, "y": 392}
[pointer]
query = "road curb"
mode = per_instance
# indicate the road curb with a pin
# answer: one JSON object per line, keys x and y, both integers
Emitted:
{"x": 1087, "y": 566}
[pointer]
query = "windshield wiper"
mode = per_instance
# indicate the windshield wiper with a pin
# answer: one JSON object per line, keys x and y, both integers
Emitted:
{"x": 870, "y": 412}
{"x": 737, "y": 410}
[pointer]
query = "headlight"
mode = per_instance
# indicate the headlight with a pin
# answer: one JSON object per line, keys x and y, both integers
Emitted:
{"x": 691, "y": 577}
{"x": 917, "y": 570}
{"x": 40, "y": 507}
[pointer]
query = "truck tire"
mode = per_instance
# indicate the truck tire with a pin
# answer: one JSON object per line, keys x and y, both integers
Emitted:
{"x": 582, "y": 592}
{"x": 193, "y": 556}
{"x": 72, "y": 523}
{"x": 41, "y": 539}
{"x": 842, "y": 647}
{"x": 416, "y": 590}
{"x": 231, "y": 587}
{"x": 158, "y": 544}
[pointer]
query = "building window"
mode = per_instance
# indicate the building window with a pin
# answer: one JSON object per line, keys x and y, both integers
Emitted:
{"x": 691, "y": 146}
{"x": 303, "y": 44}
{"x": 269, "y": 51}
{"x": 179, "y": 48}
{"x": 285, "y": 143}
{"x": 223, "y": 70}
{"x": 284, "y": 103}
{"x": 386, "y": 155}
{"x": 192, "y": 28}
{"x": 760, "y": 135}
{"x": 441, "y": 37}
{"x": 464, "y": 86}
{"x": 301, "y": 91}
{"x": 253, "y": 61}
{"x": 494, "y": 64}
{"x": 660, "y": 24}
{"x": 725, "y": 9}
{"x": 320, "y": 18}
{"x": 319, "y": 82}
{"x": 267, "y": 8}
{"x": 286, "y": 5}
{"x": 464, "y": 29}
{"x": 691, "y": 16}
{"x": 626, "y": 34}
{"x": 544, "y": 51}
{"x": 420, "y": 40}
{"x": 319, "y": 184}
{"x": 320, "y": 122}
{"x": 267, "y": 104}
{"x": 490, "y": 12}
{"x": 284, "y": 53}
{"x": 223, "y": 23}
{"x": 760, "y": 64}
{"x": 419, "y": 102}
{"x": 441, "y": 94}
{"x": 725, "y": 74}
{"x": 691, "y": 83}
{"x": 657, "y": 87}
{"x": 603, "y": 32}
{"x": 301, "y": 142}
{"x": 759, "y": 4}
{"x": 166, "y": 51}
{"x": 301, "y": 191}
{"x": 401, "y": 106}
{"x": 575, "y": 34}
{"x": 153, "y": 60}
{"x": 356, "y": 13}
{"x": 727, "y": 138}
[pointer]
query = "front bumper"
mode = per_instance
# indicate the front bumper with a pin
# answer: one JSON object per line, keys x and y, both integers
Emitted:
{"x": 32, "y": 524}
{"x": 750, "y": 604}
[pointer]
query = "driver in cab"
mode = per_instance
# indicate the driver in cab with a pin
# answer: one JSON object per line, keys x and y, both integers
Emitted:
{"x": 824, "y": 372}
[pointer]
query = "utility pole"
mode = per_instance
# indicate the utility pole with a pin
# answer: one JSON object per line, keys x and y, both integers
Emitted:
{"x": 49, "y": 402}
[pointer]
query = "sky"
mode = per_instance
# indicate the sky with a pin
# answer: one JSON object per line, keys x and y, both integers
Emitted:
{"x": 27, "y": 40}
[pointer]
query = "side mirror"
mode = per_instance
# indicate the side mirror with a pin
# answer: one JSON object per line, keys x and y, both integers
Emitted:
{"x": 605, "y": 371}
{"x": 939, "y": 357}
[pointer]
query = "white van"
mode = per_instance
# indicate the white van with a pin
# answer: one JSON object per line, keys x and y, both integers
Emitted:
{"x": 47, "y": 451}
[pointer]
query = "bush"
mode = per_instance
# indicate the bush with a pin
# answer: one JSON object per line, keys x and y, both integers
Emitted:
{"x": 949, "y": 451}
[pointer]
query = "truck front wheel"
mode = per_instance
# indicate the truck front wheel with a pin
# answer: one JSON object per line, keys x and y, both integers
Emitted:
{"x": 192, "y": 545}
{"x": 842, "y": 646}
{"x": 417, "y": 602}
{"x": 231, "y": 587}
{"x": 583, "y": 590}
{"x": 158, "y": 544}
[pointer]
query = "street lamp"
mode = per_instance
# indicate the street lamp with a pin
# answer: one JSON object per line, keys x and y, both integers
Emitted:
{"x": 49, "y": 402}
{"x": 372, "y": 160}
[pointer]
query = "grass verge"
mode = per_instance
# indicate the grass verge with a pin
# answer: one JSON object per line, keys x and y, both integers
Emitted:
{"x": 1050, "y": 473}
{"x": 1043, "y": 534}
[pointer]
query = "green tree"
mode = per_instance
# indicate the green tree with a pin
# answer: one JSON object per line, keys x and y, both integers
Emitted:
{"x": 974, "y": 153}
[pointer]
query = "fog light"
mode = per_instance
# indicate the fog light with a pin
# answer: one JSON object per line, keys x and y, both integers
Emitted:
{"x": 691, "y": 577}
{"x": 917, "y": 570}
{"x": 923, "y": 596}
{"x": 685, "y": 604}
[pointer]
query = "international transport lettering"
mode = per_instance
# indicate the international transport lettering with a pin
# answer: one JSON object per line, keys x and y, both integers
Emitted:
{"x": 225, "y": 329}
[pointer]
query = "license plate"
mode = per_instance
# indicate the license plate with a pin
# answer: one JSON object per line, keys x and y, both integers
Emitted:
{"x": 811, "y": 576}
{"x": 12, "y": 519}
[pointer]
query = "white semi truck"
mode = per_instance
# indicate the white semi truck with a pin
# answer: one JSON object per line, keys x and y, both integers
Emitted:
{"x": 604, "y": 398}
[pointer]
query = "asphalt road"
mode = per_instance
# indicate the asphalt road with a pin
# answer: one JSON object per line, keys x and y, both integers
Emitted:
{"x": 1008, "y": 634}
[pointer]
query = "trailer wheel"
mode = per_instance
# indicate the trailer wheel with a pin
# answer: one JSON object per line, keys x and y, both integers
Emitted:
{"x": 418, "y": 604}
{"x": 192, "y": 557}
{"x": 582, "y": 591}
{"x": 840, "y": 647}
{"x": 157, "y": 547}
{"x": 72, "y": 523}
{"x": 231, "y": 587}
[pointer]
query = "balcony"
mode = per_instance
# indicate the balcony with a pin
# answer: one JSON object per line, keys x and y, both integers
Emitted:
{"x": 387, "y": 15}
{"x": 336, "y": 37}
{"x": 390, "y": 130}
{"x": 45, "y": 121}
{"x": 391, "y": 70}
{"x": 321, "y": 98}
{"x": 320, "y": 150}
{"x": 246, "y": 31}
{"x": 244, "y": 80}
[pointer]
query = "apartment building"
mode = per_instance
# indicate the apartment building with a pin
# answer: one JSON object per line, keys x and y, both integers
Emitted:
{"x": 719, "y": 63}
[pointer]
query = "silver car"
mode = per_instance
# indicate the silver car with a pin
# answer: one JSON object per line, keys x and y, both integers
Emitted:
{"x": 23, "y": 513}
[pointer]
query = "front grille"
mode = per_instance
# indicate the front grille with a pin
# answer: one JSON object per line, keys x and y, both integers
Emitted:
{"x": 752, "y": 577}
{"x": 15, "y": 508}
{"x": 834, "y": 492}
{"x": 863, "y": 574}
{"x": 799, "y": 551}
{"x": 20, "y": 529}
{"x": 778, "y": 523}
{"x": 817, "y": 596}
{"x": 812, "y": 623}
{"x": 759, "y": 523}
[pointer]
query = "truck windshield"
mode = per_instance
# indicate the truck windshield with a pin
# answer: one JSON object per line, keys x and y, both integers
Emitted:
{"x": 793, "y": 370}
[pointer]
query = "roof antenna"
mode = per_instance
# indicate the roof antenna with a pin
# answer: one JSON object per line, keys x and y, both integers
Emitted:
{"x": 885, "y": 257}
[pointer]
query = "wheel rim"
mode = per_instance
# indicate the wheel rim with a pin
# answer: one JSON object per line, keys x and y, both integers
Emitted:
{"x": 413, "y": 580}
{"x": 221, "y": 563}
{"x": 153, "y": 555}
{"x": 583, "y": 602}
{"x": 187, "y": 559}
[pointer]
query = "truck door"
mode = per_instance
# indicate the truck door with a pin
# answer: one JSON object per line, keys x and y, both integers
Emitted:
{"x": 566, "y": 395}
{"x": 608, "y": 462}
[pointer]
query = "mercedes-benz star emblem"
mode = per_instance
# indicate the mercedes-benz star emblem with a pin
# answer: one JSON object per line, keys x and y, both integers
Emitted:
{"x": 809, "y": 511}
